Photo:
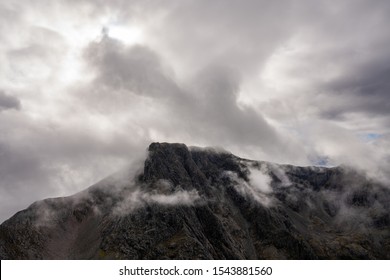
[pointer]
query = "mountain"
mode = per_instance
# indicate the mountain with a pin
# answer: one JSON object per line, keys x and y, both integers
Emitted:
{"x": 193, "y": 203}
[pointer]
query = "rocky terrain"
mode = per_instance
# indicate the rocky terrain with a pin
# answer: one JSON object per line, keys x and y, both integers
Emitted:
{"x": 192, "y": 203}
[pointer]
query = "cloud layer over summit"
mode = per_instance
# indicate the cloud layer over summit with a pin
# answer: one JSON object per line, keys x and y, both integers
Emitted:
{"x": 86, "y": 85}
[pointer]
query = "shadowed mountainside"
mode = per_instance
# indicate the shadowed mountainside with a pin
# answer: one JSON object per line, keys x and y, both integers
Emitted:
{"x": 193, "y": 203}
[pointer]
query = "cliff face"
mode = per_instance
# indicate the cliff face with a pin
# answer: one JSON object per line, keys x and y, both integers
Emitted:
{"x": 192, "y": 203}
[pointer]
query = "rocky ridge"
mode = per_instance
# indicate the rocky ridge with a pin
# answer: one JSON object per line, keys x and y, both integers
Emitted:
{"x": 192, "y": 203}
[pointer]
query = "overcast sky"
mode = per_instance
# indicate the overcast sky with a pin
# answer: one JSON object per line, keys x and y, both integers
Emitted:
{"x": 86, "y": 85}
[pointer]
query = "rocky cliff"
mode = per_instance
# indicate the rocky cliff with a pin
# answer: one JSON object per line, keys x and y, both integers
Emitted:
{"x": 192, "y": 203}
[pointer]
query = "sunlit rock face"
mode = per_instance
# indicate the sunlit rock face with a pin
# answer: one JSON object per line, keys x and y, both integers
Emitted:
{"x": 196, "y": 203}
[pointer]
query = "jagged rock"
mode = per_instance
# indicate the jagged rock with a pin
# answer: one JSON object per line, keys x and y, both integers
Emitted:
{"x": 192, "y": 203}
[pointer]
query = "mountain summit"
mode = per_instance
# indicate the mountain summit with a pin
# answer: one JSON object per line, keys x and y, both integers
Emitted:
{"x": 194, "y": 203}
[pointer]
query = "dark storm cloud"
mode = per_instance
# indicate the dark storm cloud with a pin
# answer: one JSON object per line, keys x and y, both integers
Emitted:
{"x": 8, "y": 102}
{"x": 136, "y": 69}
{"x": 205, "y": 107}
{"x": 349, "y": 52}
{"x": 364, "y": 91}
{"x": 214, "y": 109}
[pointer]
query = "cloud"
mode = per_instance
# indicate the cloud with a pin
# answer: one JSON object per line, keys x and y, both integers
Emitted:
{"x": 258, "y": 189}
{"x": 9, "y": 102}
{"x": 136, "y": 76}
{"x": 260, "y": 181}
{"x": 283, "y": 81}
{"x": 136, "y": 69}
{"x": 177, "y": 198}
{"x": 136, "y": 197}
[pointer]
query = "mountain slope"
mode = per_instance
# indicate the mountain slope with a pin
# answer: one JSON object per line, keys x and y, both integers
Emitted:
{"x": 192, "y": 203}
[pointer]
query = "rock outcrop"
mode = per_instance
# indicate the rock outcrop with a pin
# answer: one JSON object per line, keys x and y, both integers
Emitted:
{"x": 192, "y": 203}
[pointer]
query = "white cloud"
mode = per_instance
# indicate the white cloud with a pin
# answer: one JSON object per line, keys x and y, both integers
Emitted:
{"x": 260, "y": 181}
